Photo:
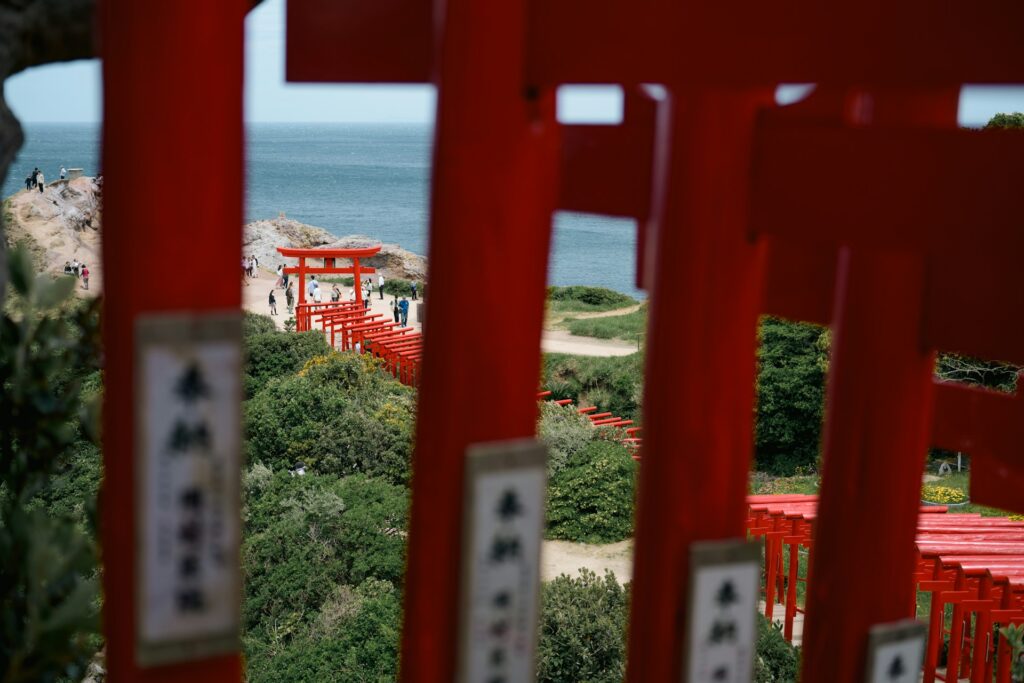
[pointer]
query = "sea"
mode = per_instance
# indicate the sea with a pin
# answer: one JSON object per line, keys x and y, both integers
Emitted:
{"x": 370, "y": 179}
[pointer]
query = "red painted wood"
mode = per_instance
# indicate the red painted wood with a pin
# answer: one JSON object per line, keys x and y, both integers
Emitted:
{"x": 169, "y": 113}
{"x": 494, "y": 190}
{"x": 699, "y": 389}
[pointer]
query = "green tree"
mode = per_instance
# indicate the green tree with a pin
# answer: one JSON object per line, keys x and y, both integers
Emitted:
{"x": 583, "y": 629}
{"x": 340, "y": 415}
{"x": 590, "y": 500}
{"x": 1014, "y": 120}
{"x": 277, "y": 354}
{"x": 48, "y": 591}
{"x": 792, "y": 362}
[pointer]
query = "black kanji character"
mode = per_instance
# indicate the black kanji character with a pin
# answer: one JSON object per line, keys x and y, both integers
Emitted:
{"x": 192, "y": 386}
{"x": 897, "y": 669}
{"x": 190, "y": 601}
{"x": 505, "y": 548}
{"x": 497, "y": 679}
{"x": 189, "y": 532}
{"x": 499, "y": 628}
{"x": 720, "y": 674}
{"x": 189, "y": 566}
{"x": 192, "y": 497}
{"x": 722, "y": 631}
{"x": 497, "y": 657}
{"x": 184, "y": 438}
{"x": 502, "y": 599}
{"x": 509, "y": 506}
{"x": 727, "y": 594}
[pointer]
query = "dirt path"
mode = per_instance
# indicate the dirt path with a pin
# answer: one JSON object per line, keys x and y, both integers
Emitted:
{"x": 602, "y": 314}
{"x": 563, "y": 557}
{"x": 560, "y": 341}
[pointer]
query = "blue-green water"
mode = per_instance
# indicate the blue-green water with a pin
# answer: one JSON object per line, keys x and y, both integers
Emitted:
{"x": 371, "y": 179}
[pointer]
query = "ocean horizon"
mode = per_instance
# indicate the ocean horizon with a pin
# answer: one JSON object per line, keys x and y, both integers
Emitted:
{"x": 352, "y": 178}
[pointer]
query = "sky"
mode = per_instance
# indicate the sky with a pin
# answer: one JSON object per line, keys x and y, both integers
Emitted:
{"x": 70, "y": 93}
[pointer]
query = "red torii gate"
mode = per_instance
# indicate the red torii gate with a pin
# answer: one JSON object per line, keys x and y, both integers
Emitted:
{"x": 706, "y": 139}
{"x": 329, "y": 256}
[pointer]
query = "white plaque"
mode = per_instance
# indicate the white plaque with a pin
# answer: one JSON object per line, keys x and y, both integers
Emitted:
{"x": 187, "y": 470}
{"x": 503, "y": 523}
{"x": 895, "y": 652}
{"x": 722, "y": 604}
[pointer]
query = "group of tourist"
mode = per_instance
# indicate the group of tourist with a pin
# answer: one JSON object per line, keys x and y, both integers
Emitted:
{"x": 79, "y": 270}
{"x": 36, "y": 179}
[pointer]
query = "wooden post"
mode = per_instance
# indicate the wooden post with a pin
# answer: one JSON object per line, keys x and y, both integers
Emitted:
{"x": 170, "y": 110}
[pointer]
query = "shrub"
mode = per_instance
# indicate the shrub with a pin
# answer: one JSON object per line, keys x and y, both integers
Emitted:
{"x": 254, "y": 323}
{"x": 590, "y": 500}
{"x": 790, "y": 395}
{"x": 399, "y": 287}
{"x": 934, "y": 493}
{"x": 582, "y": 629}
{"x": 580, "y": 298}
{"x": 306, "y": 535}
{"x": 613, "y": 383}
{"x": 340, "y": 415}
{"x": 775, "y": 659}
{"x": 565, "y": 432}
{"x": 275, "y": 354}
{"x": 48, "y": 590}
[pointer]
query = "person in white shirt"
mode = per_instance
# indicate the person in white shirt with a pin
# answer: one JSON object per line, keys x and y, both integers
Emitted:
{"x": 40, "y": 181}
{"x": 380, "y": 286}
{"x": 63, "y": 173}
{"x": 317, "y": 296}
{"x": 313, "y": 284}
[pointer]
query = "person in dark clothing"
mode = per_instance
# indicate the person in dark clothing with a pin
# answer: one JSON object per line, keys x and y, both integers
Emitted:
{"x": 272, "y": 300}
{"x": 396, "y": 310}
{"x": 413, "y": 285}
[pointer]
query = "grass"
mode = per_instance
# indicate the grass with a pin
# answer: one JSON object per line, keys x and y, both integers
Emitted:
{"x": 346, "y": 281}
{"x": 580, "y": 299}
{"x": 629, "y": 326}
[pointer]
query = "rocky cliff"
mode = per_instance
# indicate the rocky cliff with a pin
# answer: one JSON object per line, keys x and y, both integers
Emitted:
{"x": 62, "y": 223}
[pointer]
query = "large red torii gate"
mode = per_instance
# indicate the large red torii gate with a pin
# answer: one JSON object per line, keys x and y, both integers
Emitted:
{"x": 330, "y": 256}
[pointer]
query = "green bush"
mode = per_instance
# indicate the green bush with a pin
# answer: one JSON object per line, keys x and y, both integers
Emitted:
{"x": 400, "y": 288}
{"x": 590, "y": 500}
{"x": 792, "y": 359}
{"x": 565, "y": 432}
{"x": 254, "y": 323}
{"x": 580, "y": 298}
{"x": 614, "y": 383}
{"x": 276, "y": 354}
{"x": 341, "y": 415}
{"x": 48, "y": 587}
{"x": 582, "y": 630}
{"x": 630, "y": 326}
{"x": 775, "y": 661}
{"x": 306, "y": 535}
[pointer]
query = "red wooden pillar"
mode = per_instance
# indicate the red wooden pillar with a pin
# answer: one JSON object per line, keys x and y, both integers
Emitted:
{"x": 877, "y": 428}
{"x": 170, "y": 111}
{"x": 493, "y": 192}
{"x": 699, "y": 392}
{"x": 357, "y": 282}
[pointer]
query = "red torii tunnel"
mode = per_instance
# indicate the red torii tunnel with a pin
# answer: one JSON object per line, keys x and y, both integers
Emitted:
{"x": 330, "y": 257}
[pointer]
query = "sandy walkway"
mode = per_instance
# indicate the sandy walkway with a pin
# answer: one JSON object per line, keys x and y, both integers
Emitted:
{"x": 563, "y": 557}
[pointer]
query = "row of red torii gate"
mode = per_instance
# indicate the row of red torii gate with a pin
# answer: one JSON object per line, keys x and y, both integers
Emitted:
{"x": 863, "y": 207}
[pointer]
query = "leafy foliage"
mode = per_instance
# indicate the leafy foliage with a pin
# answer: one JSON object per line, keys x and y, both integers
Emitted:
{"x": 590, "y": 500}
{"x": 254, "y": 323}
{"x": 47, "y": 591}
{"x": 790, "y": 395}
{"x": 340, "y": 415}
{"x": 776, "y": 661}
{"x": 565, "y": 432}
{"x": 583, "y": 629}
{"x": 1014, "y": 120}
{"x": 276, "y": 354}
{"x": 580, "y": 298}
{"x": 400, "y": 287}
{"x": 614, "y": 383}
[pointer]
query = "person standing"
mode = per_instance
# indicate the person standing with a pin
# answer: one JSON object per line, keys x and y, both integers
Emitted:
{"x": 85, "y": 277}
{"x": 75, "y": 267}
{"x": 272, "y": 300}
{"x": 404, "y": 306}
{"x": 366, "y": 296}
{"x": 413, "y": 286}
{"x": 395, "y": 310}
{"x": 380, "y": 285}
{"x": 317, "y": 296}
{"x": 289, "y": 298}
{"x": 40, "y": 181}
{"x": 63, "y": 173}
{"x": 280, "y": 277}
{"x": 335, "y": 293}
{"x": 311, "y": 286}
{"x": 35, "y": 177}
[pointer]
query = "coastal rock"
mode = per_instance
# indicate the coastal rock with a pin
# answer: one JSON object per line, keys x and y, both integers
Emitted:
{"x": 263, "y": 237}
{"x": 60, "y": 224}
